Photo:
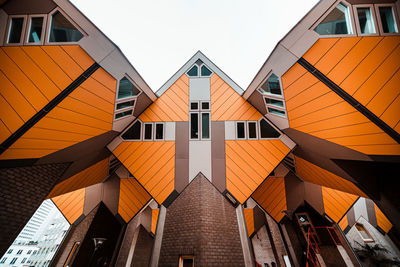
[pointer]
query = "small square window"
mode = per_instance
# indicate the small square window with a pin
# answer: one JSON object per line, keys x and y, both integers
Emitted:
{"x": 194, "y": 106}
{"x": 205, "y": 105}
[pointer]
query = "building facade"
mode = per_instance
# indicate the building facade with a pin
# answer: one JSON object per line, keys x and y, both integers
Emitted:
{"x": 202, "y": 172}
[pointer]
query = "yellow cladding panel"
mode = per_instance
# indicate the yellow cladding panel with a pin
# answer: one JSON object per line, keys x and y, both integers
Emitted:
{"x": 152, "y": 164}
{"x": 71, "y": 204}
{"x": 154, "y": 220}
{"x": 132, "y": 198}
{"x": 249, "y": 162}
{"x": 227, "y": 104}
{"x": 249, "y": 218}
{"x": 271, "y": 196}
{"x": 343, "y": 223}
{"x": 92, "y": 175}
{"x": 172, "y": 105}
{"x": 87, "y": 112}
{"x": 337, "y": 203}
{"x": 382, "y": 221}
{"x": 316, "y": 175}
{"x": 316, "y": 110}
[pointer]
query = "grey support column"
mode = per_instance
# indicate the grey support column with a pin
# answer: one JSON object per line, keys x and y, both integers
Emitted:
{"x": 155, "y": 256}
{"x": 248, "y": 259}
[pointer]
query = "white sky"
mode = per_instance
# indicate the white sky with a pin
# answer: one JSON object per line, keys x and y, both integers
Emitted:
{"x": 159, "y": 36}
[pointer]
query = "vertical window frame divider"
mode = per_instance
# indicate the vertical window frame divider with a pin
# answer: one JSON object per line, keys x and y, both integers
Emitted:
{"x": 8, "y": 30}
{"x": 352, "y": 21}
{"x": 28, "y": 28}
{"x": 374, "y": 17}
{"x": 48, "y": 26}
{"x": 379, "y": 19}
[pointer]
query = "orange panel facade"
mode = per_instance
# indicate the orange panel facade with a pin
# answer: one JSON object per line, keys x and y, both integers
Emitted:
{"x": 337, "y": 203}
{"x": 71, "y": 204}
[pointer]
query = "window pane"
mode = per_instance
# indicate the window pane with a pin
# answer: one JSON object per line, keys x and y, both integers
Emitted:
{"x": 267, "y": 131}
{"x": 276, "y": 111}
{"x": 62, "y": 30}
{"x": 240, "y": 130}
{"x": 187, "y": 262}
{"x": 337, "y": 22}
{"x": 387, "y": 18}
{"x": 193, "y": 72}
{"x": 194, "y": 125}
{"x": 194, "y": 106}
{"x": 159, "y": 131}
{"x": 274, "y": 102}
{"x": 148, "y": 131}
{"x": 271, "y": 86}
{"x": 252, "y": 130}
{"x": 133, "y": 132}
{"x": 15, "y": 30}
{"x": 205, "y": 105}
{"x": 123, "y": 114}
{"x": 205, "y": 71}
{"x": 126, "y": 89}
{"x": 35, "y": 31}
{"x": 125, "y": 104}
{"x": 365, "y": 20}
{"x": 205, "y": 125}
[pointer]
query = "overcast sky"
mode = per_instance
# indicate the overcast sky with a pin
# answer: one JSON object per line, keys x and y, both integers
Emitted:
{"x": 159, "y": 36}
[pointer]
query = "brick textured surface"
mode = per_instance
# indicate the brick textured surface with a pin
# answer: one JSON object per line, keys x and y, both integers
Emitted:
{"x": 22, "y": 190}
{"x": 143, "y": 248}
{"x": 201, "y": 222}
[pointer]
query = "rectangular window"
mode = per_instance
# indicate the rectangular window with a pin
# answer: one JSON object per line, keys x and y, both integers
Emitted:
{"x": 274, "y": 102}
{"x": 366, "y": 237}
{"x": 194, "y": 125}
{"x": 205, "y": 125}
{"x": 205, "y": 105}
{"x": 35, "y": 30}
{"x": 252, "y": 129}
{"x": 123, "y": 114}
{"x": 29, "y": 252}
{"x": 186, "y": 261}
{"x": 148, "y": 131}
{"x": 19, "y": 251}
{"x": 240, "y": 130}
{"x": 365, "y": 20}
{"x": 159, "y": 135}
{"x": 23, "y": 260}
{"x": 15, "y": 31}
{"x": 13, "y": 260}
{"x": 194, "y": 106}
{"x": 3, "y": 260}
{"x": 388, "y": 19}
{"x": 9, "y": 251}
{"x": 125, "y": 104}
{"x": 276, "y": 111}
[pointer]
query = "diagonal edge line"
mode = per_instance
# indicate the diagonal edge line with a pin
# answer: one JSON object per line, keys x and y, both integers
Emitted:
{"x": 349, "y": 99}
{"x": 51, "y": 105}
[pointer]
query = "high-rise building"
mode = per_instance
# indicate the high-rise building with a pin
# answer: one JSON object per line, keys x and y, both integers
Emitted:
{"x": 202, "y": 172}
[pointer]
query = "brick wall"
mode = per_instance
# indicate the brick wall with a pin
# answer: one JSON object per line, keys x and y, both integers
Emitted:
{"x": 143, "y": 248}
{"x": 201, "y": 222}
{"x": 22, "y": 190}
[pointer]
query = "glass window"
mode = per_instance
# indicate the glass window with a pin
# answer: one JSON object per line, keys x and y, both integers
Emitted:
{"x": 267, "y": 131}
{"x": 271, "y": 86}
{"x": 19, "y": 251}
{"x": 193, "y": 72}
{"x": 194, "y": 106}
{"x": 23, "y": 260}
{"x": 127, "y": 89}
{"x": 365, "y": 19}
{"x": 9, "y": 251}
{"x": 14, "y": 35}
{"x": 337, "y": 22}
{"x": 13, "y": 260}
{"x": 35, "y": 30}
{"x": 205, "y": 105}
{"x": 205, "y": 125}
{"x": 125, "y": 104}
{"x": 159, "y": 131}
{"x": 62, "y": 30}
{"x": 388, "y": 20}
{"x": 123, "y": 114}
{"x": 364, "y": 233}
{"x": 274, "y": 102}
{"x": 3, "y": 260}
{"x": 148, "y": 131}
{"x": 194, "y": 125}
{"x": 133, "y": 132}
{"x": 205, "y": 72}
{"x": 29, "y": 251}
{"x": 240, "y": 130}
{"x": 276, "y": 111}
{"x": 252, "y": 128}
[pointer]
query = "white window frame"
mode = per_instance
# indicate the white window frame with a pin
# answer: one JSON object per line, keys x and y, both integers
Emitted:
{"x": 28, "y": 28}
{"x": 369, "y": 240}
{"x": 201, "y": 105}
{"x": 125, "y": 99}
{"x": 279, "y": 115}
{"x": 198, "y": 71}
{"x": 154, "y": 131}
{"x": 248, "y": 130}
{"x": 201, "y": 125}
{"x": 144, "y": 131}
{"x": 8, "y": 30}
{"x": 207, "y": 68}
{"x": 270, "y": 94}
{"x": 119, "y": 111}
{"x": 379, "y": 19}
{"x": 126, "y": 108}
{"x": 198, "y": 106}
{"x": 274, "y": 97}
{"x": 272, "y": 125}
{"x": 357, "y": 22}
{"x": 245, "y": 130}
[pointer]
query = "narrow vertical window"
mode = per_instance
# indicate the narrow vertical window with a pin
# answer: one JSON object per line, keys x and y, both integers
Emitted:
{"x": 205, "y": 125}
{"x": 15, "y": 32}
{"x": 159, "y": 131}
{"x": 148, "y": 131}
{"x": 388, "y": 19}
{"x": 365, "y": 20}
{"x": 35, "y": 30}
{"x": 252, "y": 127}
{"x": 194, "y": 125}
{"x": 240, "y": 130}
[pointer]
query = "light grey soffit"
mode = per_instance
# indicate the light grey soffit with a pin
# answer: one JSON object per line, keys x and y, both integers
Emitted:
{"x": 208, "y": 63}
{"x": 100, "y": 46}
{"x": 289, "y": 43}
